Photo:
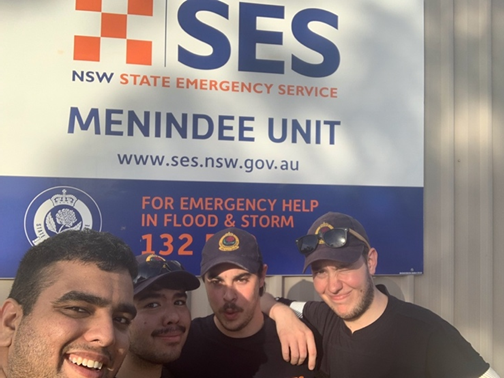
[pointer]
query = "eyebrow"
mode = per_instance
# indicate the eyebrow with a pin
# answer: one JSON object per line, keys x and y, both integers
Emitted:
{"x": 94, "y": 300}
{"x": 211, "y": 276}
{"x": 316, "y": 266}
{"x": 154, "y": 294}
{"x": 181, "y": 294}
{"x": 242, "y": 275}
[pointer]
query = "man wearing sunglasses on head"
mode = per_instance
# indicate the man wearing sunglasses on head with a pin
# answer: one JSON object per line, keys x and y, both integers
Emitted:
{"x": 160, "y": 328}
{"x": 366, "y": 331}
{"x": 237, "y": 340}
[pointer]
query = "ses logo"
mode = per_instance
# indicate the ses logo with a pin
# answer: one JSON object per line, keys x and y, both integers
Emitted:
{"x": 60, "y": 209}
{"x": 114, "y": 25}
{"x": 209, "y": 34}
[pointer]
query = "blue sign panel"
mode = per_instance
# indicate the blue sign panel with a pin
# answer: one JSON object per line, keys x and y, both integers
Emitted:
{"x": 173, "y": 219}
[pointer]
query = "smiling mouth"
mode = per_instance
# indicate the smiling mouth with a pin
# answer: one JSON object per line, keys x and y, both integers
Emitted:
{"x": 90, "y": 364}
{"x": 339, "y": 297}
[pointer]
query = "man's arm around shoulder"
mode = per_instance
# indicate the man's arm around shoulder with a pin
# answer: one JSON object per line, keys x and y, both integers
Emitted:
{"x": 296, "y": 338}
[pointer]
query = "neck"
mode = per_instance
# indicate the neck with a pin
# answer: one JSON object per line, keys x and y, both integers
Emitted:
{"x": 3, "y": 360}
{"x": 134, "y": 367}
{"x": 372, "y": 314}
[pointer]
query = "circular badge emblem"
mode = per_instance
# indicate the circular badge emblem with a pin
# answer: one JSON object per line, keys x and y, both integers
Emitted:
{"x": 229, "y": 242}
{"x": 60, "y": 209}
{"x": 323, "y": 228}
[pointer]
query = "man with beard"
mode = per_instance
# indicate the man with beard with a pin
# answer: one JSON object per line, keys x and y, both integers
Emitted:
{"x": 160, "y": 328}
{"x": 69, "y": 309}
{"x": 237, "y": 340}
{"x": 366, "y": 331}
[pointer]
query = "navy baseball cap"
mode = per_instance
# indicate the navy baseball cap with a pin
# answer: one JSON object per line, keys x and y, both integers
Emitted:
{"x": 171, "y": 274}
{"x": 349, "y": 252}
{"x": 234, "y": 246}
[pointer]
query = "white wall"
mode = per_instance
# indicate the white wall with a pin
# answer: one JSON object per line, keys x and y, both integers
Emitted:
{"x": 5, "y": 286}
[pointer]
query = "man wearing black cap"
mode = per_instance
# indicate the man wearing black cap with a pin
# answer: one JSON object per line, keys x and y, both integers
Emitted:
{"x": 237, "y": 340}
{"x": 160, "y": 328}
{"x": 366, "y": 331}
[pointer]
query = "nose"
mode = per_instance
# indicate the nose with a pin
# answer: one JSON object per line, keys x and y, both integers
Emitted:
{"x": 229, "y": 293}
{"x": 171, "y": 316}
{"x": 334, "y": 284}
{"x": 101, "y": 331}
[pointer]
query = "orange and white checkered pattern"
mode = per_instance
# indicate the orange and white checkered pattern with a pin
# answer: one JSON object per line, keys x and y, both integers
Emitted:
{"x": 114, "y": 25}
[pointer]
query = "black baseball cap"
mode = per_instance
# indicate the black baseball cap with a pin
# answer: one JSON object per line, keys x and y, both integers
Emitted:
{"x": 234, "y": 246}
{"x": 153, "y": 268}
{"x": 350, "y": 252}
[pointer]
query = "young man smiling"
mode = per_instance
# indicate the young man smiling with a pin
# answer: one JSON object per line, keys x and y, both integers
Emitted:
{"x": 160, "y": 328}
{"x": 237, "y": 340}
{"x": 366, "y": 331}
{"x": 69, "y": 309}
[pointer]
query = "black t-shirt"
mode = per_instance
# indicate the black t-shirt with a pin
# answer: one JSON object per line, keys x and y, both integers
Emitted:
{"x": 407, "y": 341}
{"x": 209, "y": 353}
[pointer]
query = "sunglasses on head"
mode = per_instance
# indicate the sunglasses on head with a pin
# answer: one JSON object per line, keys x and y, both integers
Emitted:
{"x": 334, "y": 238}
{"x": 155, "y": 267}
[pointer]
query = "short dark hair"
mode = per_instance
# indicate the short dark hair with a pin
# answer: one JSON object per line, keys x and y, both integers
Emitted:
{"x": 107, "y": 251}
{"x": 365, "y": 253}
{"x": 262, "y": 289}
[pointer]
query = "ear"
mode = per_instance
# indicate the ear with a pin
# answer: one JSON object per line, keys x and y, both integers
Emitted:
{"x": 10, "y": 317}
{"x": 262, "y": 278}
{"x": 372, "y": 260}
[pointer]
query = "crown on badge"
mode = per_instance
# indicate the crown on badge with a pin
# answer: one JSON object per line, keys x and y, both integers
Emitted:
{"x": 324, "y": 226}
{"x": 63, "y": 199}
{"x": 229, "y": 242}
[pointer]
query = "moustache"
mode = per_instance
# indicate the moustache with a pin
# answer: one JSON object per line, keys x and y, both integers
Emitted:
{"x": 169, "y": 329}
{"x": 232, "y": 307}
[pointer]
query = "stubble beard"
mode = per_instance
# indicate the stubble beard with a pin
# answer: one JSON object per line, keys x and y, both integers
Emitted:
{"x": 156, "y": 356}
{"x": 25, "y": 358}
{"x": 159, "y": 358}
{"x": 29, "y": 352}
{"x": 363, "y": 305}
